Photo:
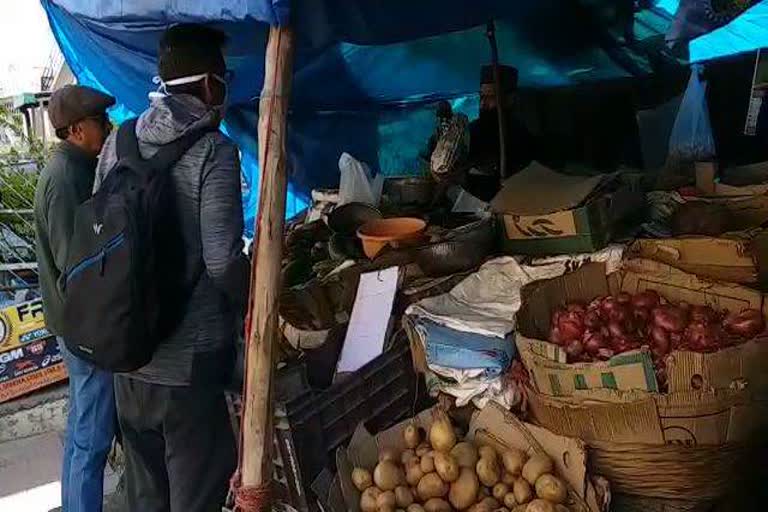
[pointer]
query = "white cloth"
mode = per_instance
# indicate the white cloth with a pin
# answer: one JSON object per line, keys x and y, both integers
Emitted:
{"x": 486, "y": 302}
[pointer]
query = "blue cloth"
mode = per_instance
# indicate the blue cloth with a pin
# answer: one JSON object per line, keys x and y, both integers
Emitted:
{"x": 465, "y": 350}
{"x": 91, "y": 427}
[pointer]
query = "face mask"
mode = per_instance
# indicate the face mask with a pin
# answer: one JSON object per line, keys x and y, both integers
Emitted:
{"x": 162, "y": 89}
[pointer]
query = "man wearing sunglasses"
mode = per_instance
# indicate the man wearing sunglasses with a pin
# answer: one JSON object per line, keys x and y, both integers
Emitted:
{"x": 78, "y": 114}
{"x": 179, "y": 445}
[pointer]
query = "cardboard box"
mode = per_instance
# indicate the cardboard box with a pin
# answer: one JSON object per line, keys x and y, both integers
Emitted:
{"x": 686, "y": 371}
{"x": 492, "y": 425}
{"x": 740, "y": 257}
{"x": 544, "y": 212}
{"x": 30, "y": 367}
{"x": 691, "y": 418}
{"x": 21, "y": 324}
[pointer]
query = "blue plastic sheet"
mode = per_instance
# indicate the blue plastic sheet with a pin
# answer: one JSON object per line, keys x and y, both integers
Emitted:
{"x": 367, "y": 74}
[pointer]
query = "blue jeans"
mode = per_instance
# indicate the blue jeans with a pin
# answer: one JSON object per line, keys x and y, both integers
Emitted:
{"x": 90, "y": 431}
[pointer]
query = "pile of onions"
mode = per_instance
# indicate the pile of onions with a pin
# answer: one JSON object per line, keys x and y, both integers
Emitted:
{"x": 608, "y": 326}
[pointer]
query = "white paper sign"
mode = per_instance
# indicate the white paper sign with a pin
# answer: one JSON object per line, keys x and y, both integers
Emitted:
{"x": 367, "y": 329}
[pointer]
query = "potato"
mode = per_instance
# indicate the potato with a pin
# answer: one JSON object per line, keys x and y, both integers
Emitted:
{"x": 446, "y": 466}
{"x": 368, "y": 500}
{"x": 386, "y": 499}
{"x": 540, "y": 506}
{"x": 411, "y": 436}
{"x": 508, "y": 478}
{"x": 441, "y": 434}
{"x": 561, "y": 508}
{"x": 413, "y": 472}
{"x": 465, "y": 454}
{"x": 522, "y": 491}
{"x": 437, "y": 505}
{"x": 513, "y": 461}
{"x": 464, "y": 490}
{"x": 362, "y": 479}
{"x": 388, "y": 475}
{"x": 428, "y": 463}
{"x": 500, "y": 490}
{"x": 490, "y": 503}
{"x": 536, "y": 466}
{"x": 551, "y": 488}
{"x": 488, "y": 471}
{"x": 423, "y": 449}
{"x": 487, "y": 452}
{"x": 403, "y": 496}
{"x": 430, "y": 486}
{"x": 406, "y": 456}
{"x": 390, "y": 455}
{"x": 415, "y": 508}
{"x": 509, "y": 500}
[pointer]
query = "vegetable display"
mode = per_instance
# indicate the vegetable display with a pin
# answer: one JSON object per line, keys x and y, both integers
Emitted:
{"x": 446, "y": 474}
{"x": 611, "y": 325}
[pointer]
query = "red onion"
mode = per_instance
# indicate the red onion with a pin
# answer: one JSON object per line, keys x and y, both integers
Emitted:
{"x": 593, "y": 342}
{"x": 703, "y": 314}
{"x": 747, "y": 324}
{"x": 641, "y": 314}
{"x": 605, "y": 353}
{"x": 592, "y": 320}
{"x": 647, "y": 299}
{"x": 703, "y": 337}
{"x": 669, "y": 318}
{"x": 660, "y": 343}
{"x": 574, "y": 349}
{"x": 576, "y": 306}
{"x": 616, "y": 329}
{"x": 608, "y": 305}
{"x": 555, "y": 336}
{"x": 620, "y": 314}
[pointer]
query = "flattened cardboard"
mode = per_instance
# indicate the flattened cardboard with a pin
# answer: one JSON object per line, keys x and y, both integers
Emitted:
{"x": 692, "y": 418}
{"x": 740, "y": 366}
{"x": 627, "y": 371}
{"x": 538, "y": 190}
{"x": 596, "y": 416}
{"x": 553, "y": 225}
{"x": 733, "y": 258}
{"x": 676, "y": 285}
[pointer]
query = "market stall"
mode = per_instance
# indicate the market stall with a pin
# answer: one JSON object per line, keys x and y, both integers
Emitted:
{"x": 612, "y": 301}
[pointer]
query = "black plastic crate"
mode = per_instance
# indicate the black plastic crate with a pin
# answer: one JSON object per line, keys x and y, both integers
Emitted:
{"x": 380, "y": 394}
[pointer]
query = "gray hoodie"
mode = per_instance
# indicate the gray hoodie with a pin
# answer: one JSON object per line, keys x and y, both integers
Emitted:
{"x": 209, "y": 202}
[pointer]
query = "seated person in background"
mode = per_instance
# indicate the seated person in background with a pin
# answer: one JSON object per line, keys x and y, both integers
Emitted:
{"x": 483, "y": 178}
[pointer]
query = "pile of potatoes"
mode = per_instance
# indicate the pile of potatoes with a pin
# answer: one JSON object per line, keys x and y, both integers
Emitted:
{"x": 439, "y": 474}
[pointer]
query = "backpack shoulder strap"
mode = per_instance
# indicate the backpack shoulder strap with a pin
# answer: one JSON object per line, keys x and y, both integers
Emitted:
{"x": 127, "y": 142}
{"x": 169, "y": 154}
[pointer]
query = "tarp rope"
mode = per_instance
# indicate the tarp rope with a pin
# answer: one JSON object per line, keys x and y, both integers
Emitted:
{"x": 253, "y": 498}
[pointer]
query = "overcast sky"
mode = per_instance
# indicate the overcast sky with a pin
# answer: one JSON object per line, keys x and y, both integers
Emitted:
{"x": 26, "y": 43}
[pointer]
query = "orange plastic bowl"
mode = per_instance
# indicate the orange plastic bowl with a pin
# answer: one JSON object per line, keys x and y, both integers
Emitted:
{"x": 377, "y": 234}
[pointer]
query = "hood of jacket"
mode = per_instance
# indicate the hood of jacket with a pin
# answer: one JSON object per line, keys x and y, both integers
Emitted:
{"x": 170, "y": 117}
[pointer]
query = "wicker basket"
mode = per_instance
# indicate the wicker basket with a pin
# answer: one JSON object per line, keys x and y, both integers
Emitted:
{"x": 694, "y": 474}
{"x": 629, "y": 503}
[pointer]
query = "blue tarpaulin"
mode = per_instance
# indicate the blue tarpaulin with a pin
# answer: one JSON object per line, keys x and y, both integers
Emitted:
{"x": 367, "y": 74}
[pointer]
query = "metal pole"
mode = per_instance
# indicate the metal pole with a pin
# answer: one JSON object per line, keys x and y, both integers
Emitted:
{"x": 491, "y": 33}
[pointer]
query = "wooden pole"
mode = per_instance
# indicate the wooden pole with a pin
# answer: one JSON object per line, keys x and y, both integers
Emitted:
{"x": 267, "y": 256}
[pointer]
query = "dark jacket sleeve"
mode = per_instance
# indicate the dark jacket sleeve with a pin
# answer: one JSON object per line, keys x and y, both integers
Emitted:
{"x": 62, "y": 200}
{"x": 221, "y": 224}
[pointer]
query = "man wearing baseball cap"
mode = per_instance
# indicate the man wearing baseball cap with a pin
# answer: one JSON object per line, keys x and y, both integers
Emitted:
{"x": 78, "y": 114}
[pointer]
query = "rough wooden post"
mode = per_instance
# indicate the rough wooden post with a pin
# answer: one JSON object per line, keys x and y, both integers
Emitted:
{"x": 267, "y": 256}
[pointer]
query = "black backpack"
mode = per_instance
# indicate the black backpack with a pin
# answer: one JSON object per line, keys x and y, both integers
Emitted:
{"x": 124, "y": 289}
